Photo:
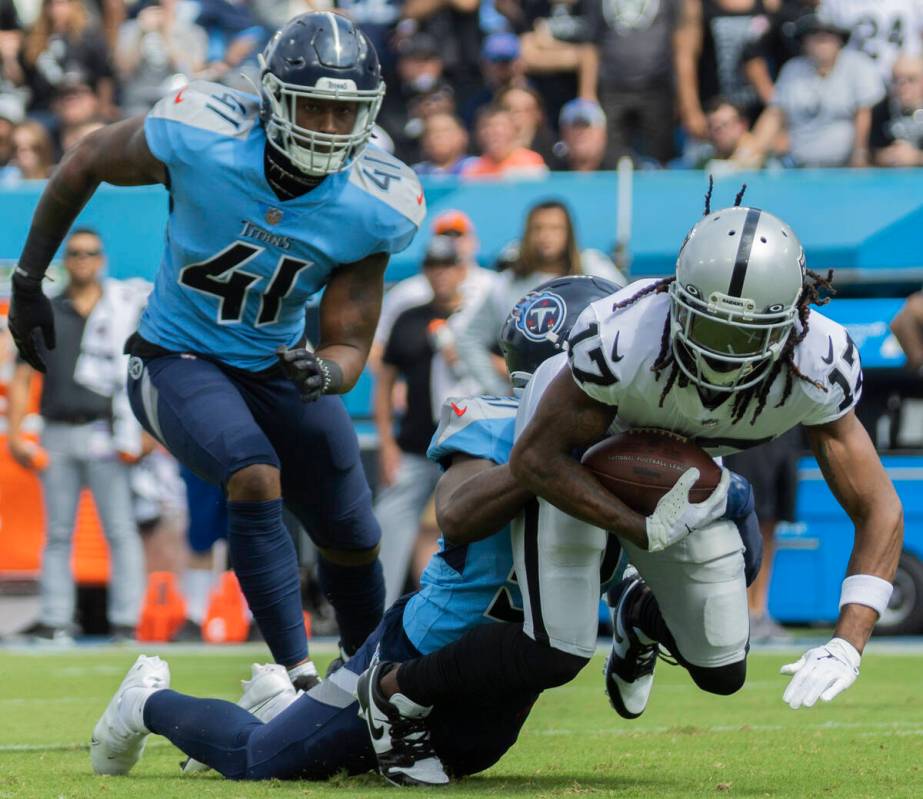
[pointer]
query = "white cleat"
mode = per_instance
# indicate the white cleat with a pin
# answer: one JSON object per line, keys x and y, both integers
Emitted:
{"x": 119, "y": 735}
{"x": 629, "y": 669}
{"x": 399, "y": 735}
{"x": 267, "y": 693}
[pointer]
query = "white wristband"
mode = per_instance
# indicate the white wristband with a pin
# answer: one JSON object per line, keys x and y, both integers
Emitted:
{"x": 868, "y": 590}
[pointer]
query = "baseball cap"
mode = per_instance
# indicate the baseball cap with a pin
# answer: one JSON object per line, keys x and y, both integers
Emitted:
{"x": 500, "y": 47}
{"x": 582, "y": 112}
{"x": 420, "y": 45}
{"x": 441, "y": 251}
{"x": 452, "y": 222}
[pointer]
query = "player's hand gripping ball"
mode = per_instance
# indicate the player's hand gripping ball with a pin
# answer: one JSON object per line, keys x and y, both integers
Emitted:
{"x": 663, "y": 476}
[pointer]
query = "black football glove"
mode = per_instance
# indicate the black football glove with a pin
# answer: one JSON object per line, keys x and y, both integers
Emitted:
{"x": 31, "y": 318}
{"x": 313, "y": 376}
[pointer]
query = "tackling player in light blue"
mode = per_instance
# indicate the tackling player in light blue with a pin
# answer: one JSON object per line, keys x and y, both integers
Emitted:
{"x": 467, "y": 584}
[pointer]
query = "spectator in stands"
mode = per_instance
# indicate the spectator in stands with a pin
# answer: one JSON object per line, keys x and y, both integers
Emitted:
{"x": 235, "y": 37}
{"x": 501, "y": 155}
{"x": 11, "y": 75}
{"x": 74, "y": 106}
{"x": 444, "y": 146}
{"x": 548, "y": 249}
{"x": 416, "y": 290}
{"x": 528, "y": 114}
{"x": 65, "y": 44}
{"x": 551, "y": 35}
{"x": 455, "y": 25}
{"x": 824, "y": 98}
{"x": 11, "y": 115}
{"x": 33, "y": 152}
{"x": 713, "y": 46}
{"x": 897, "y": 121}
{"x": 405, "y": 475}
{"x": 628, "y": 66}
{"x": 88, "y": 433}
{"x": 156, "y": 51}
{"x": 501, "y": 66}
{"x": 421, "y": 91}
{"x": 728, "y": 135}
{"x": 882, "y": 29}
{"x": 582, "y": 147}
{"x": 772, "y": 470}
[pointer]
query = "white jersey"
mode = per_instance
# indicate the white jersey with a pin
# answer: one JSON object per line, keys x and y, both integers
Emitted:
{"x": 611, "y": 353}
{"x": 880, "y": 28}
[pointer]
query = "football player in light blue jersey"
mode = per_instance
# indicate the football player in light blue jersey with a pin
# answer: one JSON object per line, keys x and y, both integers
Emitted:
{"x": 273, "y": 197}
{"x": 466, "y": 584}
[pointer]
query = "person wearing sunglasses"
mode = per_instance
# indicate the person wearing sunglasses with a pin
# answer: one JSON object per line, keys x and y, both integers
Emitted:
{"x": 88, "y": 438}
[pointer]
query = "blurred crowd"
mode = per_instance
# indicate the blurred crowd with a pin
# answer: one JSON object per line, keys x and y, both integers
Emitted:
{"x": 507, "y": 87}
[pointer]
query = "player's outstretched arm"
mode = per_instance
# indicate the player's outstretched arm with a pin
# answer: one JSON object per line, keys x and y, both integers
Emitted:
{"x": 857, "y": 479}
{"x": 567, "y": 420}
{"x": 348, "y": 317}
{"x": 475, "y": 498}
{"x": 115, "y": 154}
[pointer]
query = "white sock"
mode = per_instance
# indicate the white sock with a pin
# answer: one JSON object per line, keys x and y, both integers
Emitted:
{"x": 196, "y": 585}
{"x": 131, "y": 708}
{"x": 307, "y": 667}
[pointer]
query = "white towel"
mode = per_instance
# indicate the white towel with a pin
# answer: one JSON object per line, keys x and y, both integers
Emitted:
{"x": 101, "y": 366}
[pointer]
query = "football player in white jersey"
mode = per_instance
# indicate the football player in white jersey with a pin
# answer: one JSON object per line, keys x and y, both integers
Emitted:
{"x": 729, "y": 353}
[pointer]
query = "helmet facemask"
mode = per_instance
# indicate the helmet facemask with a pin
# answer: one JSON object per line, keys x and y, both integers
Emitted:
{"x": 315, "y": 153}
{"x": 723, "y": 343}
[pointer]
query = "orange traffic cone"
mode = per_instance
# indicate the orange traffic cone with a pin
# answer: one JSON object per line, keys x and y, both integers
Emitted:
{"x": 227, "y": 618}
{"x": 163, "y": 610}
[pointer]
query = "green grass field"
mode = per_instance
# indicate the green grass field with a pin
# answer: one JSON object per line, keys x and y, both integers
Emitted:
{"x": 868, "y": 743}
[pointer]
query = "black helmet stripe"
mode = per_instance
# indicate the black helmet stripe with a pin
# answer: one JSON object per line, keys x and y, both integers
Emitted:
{"x": 743, "y": 252}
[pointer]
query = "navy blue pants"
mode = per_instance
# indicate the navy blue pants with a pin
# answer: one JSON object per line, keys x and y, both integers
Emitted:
{"x": 216, "y": 420}
{"x": 320, "y": 734}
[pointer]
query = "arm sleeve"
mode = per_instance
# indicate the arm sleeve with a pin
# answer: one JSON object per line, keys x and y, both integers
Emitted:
{"x": 476, "y": 426}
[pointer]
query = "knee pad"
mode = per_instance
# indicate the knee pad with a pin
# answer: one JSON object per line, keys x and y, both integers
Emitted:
{"x": 722, "y": 680}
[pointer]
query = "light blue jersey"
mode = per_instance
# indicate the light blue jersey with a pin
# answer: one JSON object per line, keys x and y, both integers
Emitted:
{"x": 239, "y": 263}
{"x": 472, "y": 584}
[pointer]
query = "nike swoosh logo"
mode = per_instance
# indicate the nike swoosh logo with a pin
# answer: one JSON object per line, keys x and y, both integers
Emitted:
{"x": 179, "y": 95}
{"x": 375, "y": 730}
{"x": 615, "y": 348}
{"x": 420, "y": 199}
{"x": 458, "y": 411}
{"x": 828, "y": 359}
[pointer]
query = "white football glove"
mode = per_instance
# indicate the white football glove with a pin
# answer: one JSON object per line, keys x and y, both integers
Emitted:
{"x": 675, "y": 516}
{"x": 821, "y": 673}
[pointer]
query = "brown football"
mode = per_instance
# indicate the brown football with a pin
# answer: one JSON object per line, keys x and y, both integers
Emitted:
{"x": 640, "y": 466}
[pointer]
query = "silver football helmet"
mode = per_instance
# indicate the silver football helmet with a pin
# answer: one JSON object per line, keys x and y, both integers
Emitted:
{"x": 734, "y": 302}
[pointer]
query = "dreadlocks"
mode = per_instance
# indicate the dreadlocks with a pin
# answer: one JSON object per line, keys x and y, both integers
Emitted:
{"x": 817, "y": 291}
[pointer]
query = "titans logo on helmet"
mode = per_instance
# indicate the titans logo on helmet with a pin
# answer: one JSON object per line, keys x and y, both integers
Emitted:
{"x": 541, "y": 315}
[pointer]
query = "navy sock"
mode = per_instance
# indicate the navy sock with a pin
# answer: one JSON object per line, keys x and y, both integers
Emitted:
{"x": 212, "y": 731}
{"x": 357, "y": 594}
{"x": 263, "y": 556}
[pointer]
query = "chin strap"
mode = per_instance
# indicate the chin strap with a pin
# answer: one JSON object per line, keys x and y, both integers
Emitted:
{"x": 286, "y": 180}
